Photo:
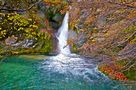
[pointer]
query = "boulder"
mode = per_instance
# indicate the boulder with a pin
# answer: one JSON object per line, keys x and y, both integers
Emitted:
{"x": 11, "y": 40}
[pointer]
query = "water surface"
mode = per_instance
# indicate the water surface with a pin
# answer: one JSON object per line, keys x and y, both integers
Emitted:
{"x": 54, "y": 73}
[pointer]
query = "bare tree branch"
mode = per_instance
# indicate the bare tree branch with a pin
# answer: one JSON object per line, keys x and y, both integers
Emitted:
{"x": 127, "y": 40}
{"x": 121, "y": 4}
{"x": 21, "y": 10}
{"x": 34, "y": 4}
{"x": 128, "y": 67}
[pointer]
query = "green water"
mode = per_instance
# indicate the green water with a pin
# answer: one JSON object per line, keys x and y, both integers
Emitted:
{"x": 19, "y": 73}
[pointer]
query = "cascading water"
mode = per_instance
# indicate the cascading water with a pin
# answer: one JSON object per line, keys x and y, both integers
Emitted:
{"x": 62, "y": 36}
{"x": 62, "y": 72}
{"x": 73, "y": 68}
{"x": 65, "y": 61}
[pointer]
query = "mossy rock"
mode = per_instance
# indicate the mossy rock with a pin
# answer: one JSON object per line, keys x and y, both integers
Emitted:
{"x": 129, "y": 72}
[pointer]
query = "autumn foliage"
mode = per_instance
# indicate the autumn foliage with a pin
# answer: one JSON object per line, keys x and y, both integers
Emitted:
{"x": 112, "y": 72}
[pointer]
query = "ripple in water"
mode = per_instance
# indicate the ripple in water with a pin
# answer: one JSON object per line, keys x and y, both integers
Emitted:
{"x": 73, "y": 65}
{"x": 55, "y": 73}
{"x": 76, "y": 68}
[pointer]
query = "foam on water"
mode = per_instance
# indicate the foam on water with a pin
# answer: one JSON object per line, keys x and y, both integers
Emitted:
{"x": 67, "y": 63}
{"x": 76, "y": 66}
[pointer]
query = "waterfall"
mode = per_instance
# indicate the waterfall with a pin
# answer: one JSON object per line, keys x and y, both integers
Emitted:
{"x": 62, "y": 36}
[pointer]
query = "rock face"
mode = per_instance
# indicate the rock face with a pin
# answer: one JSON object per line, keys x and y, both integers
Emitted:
{"x": 106, "y": 29}
{"x": 128, "y": 52}
{"x": 11, "y": 40}
{"x": 27, "y": 43}
{"x": 105, "y": 25}
{"x": 99, "y": 26}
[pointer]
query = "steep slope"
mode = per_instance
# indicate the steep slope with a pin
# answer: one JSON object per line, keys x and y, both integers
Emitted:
{"x": 107, "y": 30}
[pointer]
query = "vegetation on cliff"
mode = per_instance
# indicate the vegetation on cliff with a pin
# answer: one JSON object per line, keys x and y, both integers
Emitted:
{"x": 25, "y": 26}
{"x": 104, "y": 29}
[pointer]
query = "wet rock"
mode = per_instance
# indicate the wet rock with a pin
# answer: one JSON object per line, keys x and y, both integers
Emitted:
{"x": 72, "y": 34}
{"x": 81, "y": 39}
{"x": 27, "y": 43}
{"x": 57, "y": 18}
{"x": 56, "y": 21}
{"x": 54, "y": 25}
{"x": 11, "y": 40}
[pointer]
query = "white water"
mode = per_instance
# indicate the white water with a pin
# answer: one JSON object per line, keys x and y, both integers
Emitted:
{"x": 65, "y": 62}
{"x": 62, "y": 36}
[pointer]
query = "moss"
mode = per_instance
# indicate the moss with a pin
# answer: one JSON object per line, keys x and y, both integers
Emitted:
{"x": 118, "y": 48}
{"x": 122, "y": 62}
{"x": 1, "y": 57}
{"x": 74, "y": 48}
{"x": 24, "y": 52}
{"x": 131, "y": 74}
{"x": 130, "y": 29}
{"x": 34, "y": 57}
{"x": 47, "y": 47}
{"x": 133, "y": 41}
